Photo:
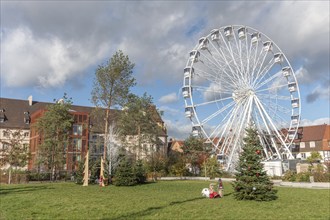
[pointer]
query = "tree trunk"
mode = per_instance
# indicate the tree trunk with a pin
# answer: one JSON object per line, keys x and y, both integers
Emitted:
{"x": 9, "y": 176}
{"x": 106, "y": 134}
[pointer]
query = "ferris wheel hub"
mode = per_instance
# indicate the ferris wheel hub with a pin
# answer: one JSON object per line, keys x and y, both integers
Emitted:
{"x": 242, "y": 94}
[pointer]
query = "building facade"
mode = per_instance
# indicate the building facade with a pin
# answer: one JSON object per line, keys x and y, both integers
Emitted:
{"x": 86, "y": 133}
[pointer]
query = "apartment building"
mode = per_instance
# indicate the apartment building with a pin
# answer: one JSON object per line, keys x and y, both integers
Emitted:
{"x": 86, "y": 134}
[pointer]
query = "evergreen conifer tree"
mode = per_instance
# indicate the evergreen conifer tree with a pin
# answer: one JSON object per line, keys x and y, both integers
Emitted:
{"x": 124, "y": 174}
{"x": 252, "y": 182}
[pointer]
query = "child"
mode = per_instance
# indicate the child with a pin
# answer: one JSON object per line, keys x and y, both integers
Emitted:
{"x": 220, "y": 188}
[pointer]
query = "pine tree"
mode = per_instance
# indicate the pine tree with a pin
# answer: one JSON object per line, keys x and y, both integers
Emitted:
{"x": 252, "y": 182}
{"x": 124, "y": 174}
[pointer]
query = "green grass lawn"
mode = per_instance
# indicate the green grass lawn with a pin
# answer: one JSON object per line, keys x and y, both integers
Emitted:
{"x": 161, "y": 200}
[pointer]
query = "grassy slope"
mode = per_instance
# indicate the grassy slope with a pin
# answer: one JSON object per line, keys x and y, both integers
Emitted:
{"x": 162, "y": 200}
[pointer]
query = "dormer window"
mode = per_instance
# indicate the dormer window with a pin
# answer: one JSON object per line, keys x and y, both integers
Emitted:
{"x": 2, "y": 115}
{"x": 27, "y": 118}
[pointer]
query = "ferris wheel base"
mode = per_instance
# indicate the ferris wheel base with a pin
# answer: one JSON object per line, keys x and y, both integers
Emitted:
{"x": 277, "y": 167}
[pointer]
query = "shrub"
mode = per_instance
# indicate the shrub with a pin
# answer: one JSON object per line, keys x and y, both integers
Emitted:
{"x": 303, "y": 177}
{"x": 289, "y": 176}
{"x": 140, "y": 172}
{"x": 124, "y": 175}
{"x": 321, "y": 177}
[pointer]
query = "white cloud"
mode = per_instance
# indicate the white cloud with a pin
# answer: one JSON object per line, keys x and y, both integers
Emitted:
{"x": 43, "y": 62}
{"x": 178, "y": 129}
{"x": 169, "y": 98}
{"x": 319, "y": 121}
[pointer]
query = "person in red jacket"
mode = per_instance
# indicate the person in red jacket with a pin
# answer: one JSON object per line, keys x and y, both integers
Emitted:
{"x": 213, "y": 194}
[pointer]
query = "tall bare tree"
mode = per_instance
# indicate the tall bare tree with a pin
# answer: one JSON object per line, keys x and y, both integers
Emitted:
{"x": 112, "y": 84}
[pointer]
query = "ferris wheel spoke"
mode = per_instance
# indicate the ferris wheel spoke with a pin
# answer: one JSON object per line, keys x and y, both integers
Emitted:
{"x": 234, "y": 60}
{"x": 205, "y": 75}
{"x": 271, "y": 96}
{"x": 263, "y": 72}
{"x": 266, "y": 81}
{"x": 273, "y": 88}
{"x": 213, "y": 61}
{"x": 256, "y": 73}
{"x": 284, "y": 110}
{"x": 225, "y": 121}
{"x": 213, "y": 101}
{"x": 256, "y": 59}
{"x": 208, "y": 89}
{"x": 231, "y": 55}
{"x": 217, "y": 112}
{"x": 221, "y": 53}
{"x": 225, "y": 135}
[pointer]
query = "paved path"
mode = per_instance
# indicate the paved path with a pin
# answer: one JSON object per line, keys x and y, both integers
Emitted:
{"x": 314, "y": 185}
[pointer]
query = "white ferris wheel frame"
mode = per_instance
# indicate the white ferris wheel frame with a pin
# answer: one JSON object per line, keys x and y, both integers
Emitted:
{"x": 242, "y": 69}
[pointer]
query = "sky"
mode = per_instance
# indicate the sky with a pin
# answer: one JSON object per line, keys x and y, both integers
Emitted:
{"x": 49, "y": 48}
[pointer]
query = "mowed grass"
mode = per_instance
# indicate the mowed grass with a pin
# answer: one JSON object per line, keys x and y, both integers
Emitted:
{"x": 161, "y": 200}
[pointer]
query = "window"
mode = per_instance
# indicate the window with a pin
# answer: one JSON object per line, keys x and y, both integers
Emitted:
{"x": 5, "y": 134}
{"x": 76, "y": 144}
{"x": 5, "y": 146}
{"x": 77, "y": 129}
{"x": 303, "y": 155}
{"x": 2, "y": 115}
{"x": 26, "y": 134}
{"x": 302, "y": 144}
{"x": 312, "y": 144}
{"x": 27, "y": 118}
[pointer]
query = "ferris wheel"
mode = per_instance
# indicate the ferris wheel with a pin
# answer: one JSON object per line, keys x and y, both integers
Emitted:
{"x": 237, "y": 77}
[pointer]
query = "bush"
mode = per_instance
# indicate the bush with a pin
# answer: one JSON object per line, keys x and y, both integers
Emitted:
{"x": 321, "y": 177}
{"x": 303, "y": 177}
{"x": 140, "y": 172}
{"x": 124, "y": 175}
{"x": 289, "y": 176}
{"x": 35, "y": 176}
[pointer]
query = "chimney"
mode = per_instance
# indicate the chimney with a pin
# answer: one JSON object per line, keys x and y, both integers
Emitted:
{"x": 30, "y": 100}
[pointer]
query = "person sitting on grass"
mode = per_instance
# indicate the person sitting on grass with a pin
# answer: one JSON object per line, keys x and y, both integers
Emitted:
{"x": 220, "y": 188}
{"x": 213, "y": 194}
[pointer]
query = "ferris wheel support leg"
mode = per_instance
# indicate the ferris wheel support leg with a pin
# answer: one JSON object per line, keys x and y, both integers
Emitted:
{"x": 266, "y": 124}
{"x": 239, "y": 132}
{"x": 276, "y": 130}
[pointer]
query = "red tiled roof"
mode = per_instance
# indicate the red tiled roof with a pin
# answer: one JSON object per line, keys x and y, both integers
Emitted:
{"x": 314, "y": 133}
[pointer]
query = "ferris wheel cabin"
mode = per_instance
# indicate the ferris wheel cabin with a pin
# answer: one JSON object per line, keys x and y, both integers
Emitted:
{"x": 241, "y": 33}
{"x": 228, "y": 31}
{"x": 186, "y": 92}
{"x": 189, "y": 111}
{"x": 294, "y": 119}
{"x": 295, "y": 103}
{"x": 255, "y": 37}
{"x": 188, "y": 71}
{"x": 268, "y": 46}
{"x": 286, "y": 71}
{"x": 292, "y": 86}
{"x": 196, "y": 130}
{"x": 203, "y": 43}
{"x": 278, "y": 58}
{"x": 215, "y": 35}
{"x": 194, "y": 55}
